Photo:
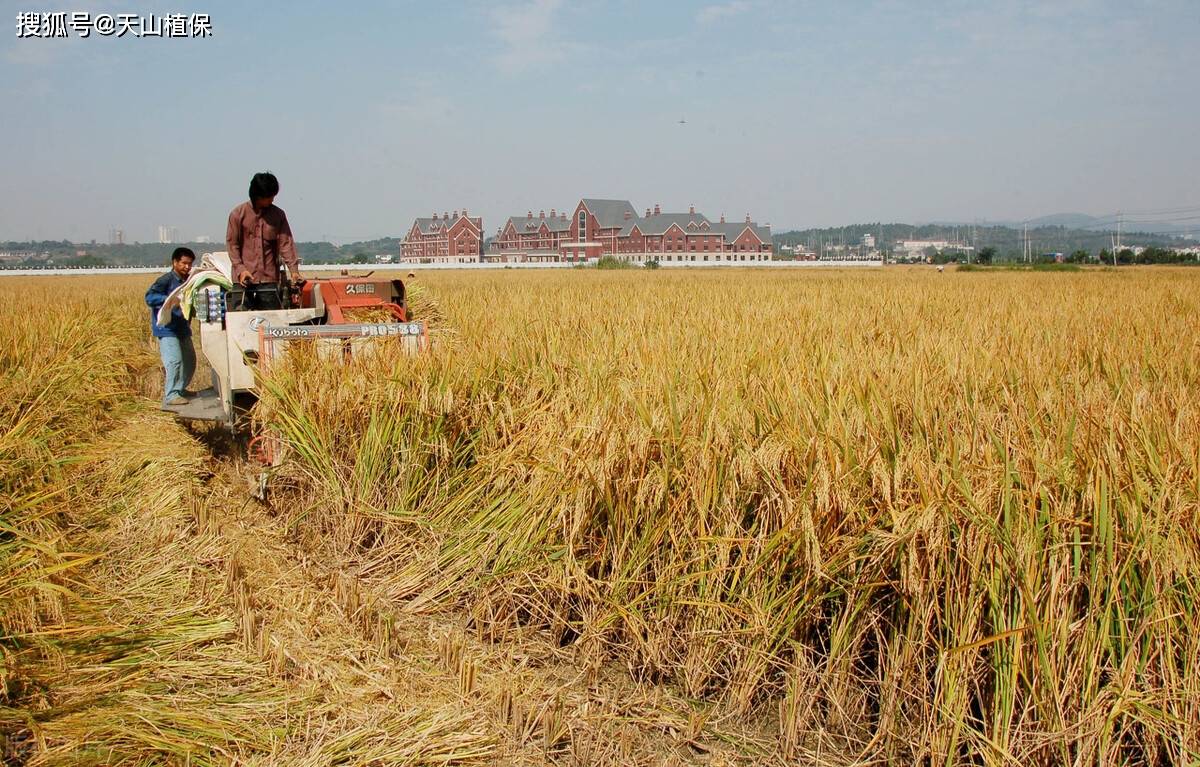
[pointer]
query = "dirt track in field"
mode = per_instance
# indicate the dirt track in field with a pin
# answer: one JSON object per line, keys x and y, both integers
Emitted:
{"x": 371, "y": 672}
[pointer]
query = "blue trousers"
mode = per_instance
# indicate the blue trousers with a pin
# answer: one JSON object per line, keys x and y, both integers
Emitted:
{"x": 179, "y": 362}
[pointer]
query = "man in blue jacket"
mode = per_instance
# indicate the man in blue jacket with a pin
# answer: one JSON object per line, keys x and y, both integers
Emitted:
{"x": 174, "y": 338}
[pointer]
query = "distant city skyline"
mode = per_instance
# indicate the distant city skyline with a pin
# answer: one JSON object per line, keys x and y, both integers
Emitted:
{"x": 802, "y": 115}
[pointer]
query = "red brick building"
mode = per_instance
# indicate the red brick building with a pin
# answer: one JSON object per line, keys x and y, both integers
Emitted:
{"x": 595, "y": 228}
{"x": 612, "y": 227}
{"x": 445, "y": 239}
{"x": 691, "y": 237}
{"x": 530, "y": 238}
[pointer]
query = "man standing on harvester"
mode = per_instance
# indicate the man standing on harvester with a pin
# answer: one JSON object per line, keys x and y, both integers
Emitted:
{"x": 259, "y": 241}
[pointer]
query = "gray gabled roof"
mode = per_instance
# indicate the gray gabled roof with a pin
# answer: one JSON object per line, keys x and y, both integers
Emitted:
{"x": 610, "y": 213}
{"x": 526, "y": 224}
{"x": 426, "y": 224}
{"x": 733, "y": 230}
{"x": 661, "y": 222}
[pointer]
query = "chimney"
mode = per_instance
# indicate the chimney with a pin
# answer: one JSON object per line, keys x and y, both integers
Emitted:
{"x": 647, "y": 213}
{"x": 747, "y": 218}
{"x": 628, "y": 215}
{"x": 553, "y": 213}
{"x": 464, "y": 213}
{"x": 657, "y": 209}
{"x": 445, "y": 216}
{"x": 722, "y": 218}
{"x": 691, "y": 210}
{"x": 435, "y": 218}
{"x": 456, "y": 214}
{"x": 542, "y": 215}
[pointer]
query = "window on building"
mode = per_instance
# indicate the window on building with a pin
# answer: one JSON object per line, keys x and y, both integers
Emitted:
{"x": 582, "y": 225}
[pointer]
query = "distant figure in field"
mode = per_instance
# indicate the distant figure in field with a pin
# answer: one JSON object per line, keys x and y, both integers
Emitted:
{"x": 259, "y": 238}
{"x": 174, "y": 338}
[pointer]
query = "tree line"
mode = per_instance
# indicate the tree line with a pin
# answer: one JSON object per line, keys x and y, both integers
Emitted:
{"x": 64, "y": 253}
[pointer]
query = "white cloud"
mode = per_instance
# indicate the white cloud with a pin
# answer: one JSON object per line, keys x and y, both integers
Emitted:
{"x": 528, "y": 34}
{"x": 419, "y": 108}
{"x": 713, "y": 13}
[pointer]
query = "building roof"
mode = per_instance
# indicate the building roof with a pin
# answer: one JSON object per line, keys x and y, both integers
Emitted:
{"x": 734, "y": 229}
{"x": 609, "y": 213}
{"x": 661, "y": 222}
{"x": 527, "y": 224}
{"x": 426, "y": 224}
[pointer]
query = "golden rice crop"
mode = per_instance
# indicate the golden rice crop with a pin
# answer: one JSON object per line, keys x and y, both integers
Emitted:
{"x": 915, "y": 516}
{"x": 135, "y": 624}
{"x": 152, "y": 613}
{"x": 892, "y": 514}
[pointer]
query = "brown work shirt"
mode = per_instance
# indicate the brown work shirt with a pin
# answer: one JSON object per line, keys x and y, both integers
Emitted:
{"x": 257, "y": 240}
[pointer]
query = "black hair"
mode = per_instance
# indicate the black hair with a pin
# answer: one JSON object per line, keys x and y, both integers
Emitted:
{"x": 182, "y": 253}
{"x": 263, "y": 185}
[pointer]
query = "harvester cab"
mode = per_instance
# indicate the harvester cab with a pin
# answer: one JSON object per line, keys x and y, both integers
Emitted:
{"x": 242, "y": 330}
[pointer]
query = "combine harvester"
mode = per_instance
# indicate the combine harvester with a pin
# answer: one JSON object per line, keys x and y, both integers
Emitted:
{"x": 239, "y": 342}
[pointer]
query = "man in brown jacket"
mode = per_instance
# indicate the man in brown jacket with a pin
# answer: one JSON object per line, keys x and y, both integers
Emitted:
{"x": 258, "y": 236}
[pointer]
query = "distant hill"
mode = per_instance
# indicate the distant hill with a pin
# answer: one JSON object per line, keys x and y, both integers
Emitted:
{"x": 1006, "y": 239}
{"x": 1180, "y": 226}
{"x": 1161, "y": 224}
{"x": 1069, "y": 221}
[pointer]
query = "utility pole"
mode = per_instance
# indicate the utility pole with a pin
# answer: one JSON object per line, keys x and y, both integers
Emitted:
{"x": 1116, "y": 240}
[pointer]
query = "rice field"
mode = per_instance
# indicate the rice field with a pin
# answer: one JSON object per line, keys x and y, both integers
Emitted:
{"x": 834, "y": 517}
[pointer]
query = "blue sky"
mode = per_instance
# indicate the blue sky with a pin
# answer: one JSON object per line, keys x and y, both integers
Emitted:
{"x": 803, "y": 114}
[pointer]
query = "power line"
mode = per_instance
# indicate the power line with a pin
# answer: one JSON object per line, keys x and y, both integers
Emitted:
{"x": 1182, "y": 215}
{"x": 1151, "y": 211}
{"x": 1175, "y": 220}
